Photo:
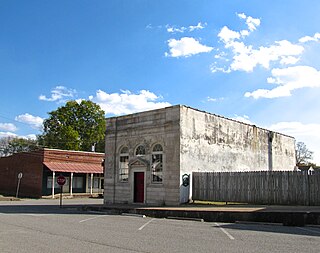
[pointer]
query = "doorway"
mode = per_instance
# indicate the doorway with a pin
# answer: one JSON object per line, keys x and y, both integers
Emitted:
{"x": 138, "y": 195}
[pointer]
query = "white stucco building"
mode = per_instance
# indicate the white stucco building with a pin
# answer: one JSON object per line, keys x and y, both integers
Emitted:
{"x": 148, "y": 153}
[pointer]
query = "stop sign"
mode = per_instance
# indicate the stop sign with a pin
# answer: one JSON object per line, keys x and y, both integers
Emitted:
{"x": 61, "y": 180}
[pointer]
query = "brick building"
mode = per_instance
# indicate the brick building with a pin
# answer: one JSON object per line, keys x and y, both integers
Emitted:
{"x": 150, "y": 155}
{"x": 83, "y": 172}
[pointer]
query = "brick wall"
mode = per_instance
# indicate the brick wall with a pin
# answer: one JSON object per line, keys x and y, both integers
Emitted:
{"x": 31, "y": 165}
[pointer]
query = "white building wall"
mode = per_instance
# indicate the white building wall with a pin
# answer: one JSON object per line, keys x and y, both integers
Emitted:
{"x": 147, "y": 128}
{"x": 192, "y": 141}
{"x": 213, "y": 143}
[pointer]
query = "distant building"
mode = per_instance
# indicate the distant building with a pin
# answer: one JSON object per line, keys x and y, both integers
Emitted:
{"x": 150, "y": 155}
{"x": 83, "y": 172}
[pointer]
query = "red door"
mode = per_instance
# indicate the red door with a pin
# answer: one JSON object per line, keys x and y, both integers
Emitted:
{"x": 138, "y": 187}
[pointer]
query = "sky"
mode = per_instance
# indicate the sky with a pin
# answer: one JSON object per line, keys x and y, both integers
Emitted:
{"x": 253, "y": 61}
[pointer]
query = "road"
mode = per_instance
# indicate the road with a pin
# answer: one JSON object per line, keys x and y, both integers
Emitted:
{"x": 41, "y": 226}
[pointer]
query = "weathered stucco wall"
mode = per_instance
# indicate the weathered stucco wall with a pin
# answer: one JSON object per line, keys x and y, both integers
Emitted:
{"x": 213, "y": 143}
{"x": 147, "y": 128}
{"x": 192, "y": 141}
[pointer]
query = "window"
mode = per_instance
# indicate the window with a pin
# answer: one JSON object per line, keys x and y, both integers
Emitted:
{"x": 157, "y": 159}
{"x": 140, "y": 151}
{"x": 95, "y": 181}
{"x": 124, "y": 165}
{"x": 77, "y": 182}
{"x": 157, "y": 148}
{"x": 49, "y": 183}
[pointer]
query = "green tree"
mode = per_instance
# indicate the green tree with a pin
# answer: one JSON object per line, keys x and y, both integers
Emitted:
{"x": 75, "y": 126}
{"x": 12, "y": 145}
{"x": 303, "y": 154}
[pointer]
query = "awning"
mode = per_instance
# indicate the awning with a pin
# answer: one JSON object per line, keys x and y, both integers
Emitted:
{"x": 74, "y": 167}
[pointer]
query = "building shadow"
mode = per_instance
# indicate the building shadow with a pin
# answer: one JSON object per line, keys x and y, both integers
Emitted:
{"x": 271, "y": 228}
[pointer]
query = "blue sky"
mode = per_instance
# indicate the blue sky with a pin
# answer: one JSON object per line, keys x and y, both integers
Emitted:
{"x": 255, "y": 61}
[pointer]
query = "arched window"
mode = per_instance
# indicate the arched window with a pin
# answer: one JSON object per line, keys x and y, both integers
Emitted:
{"x": 157, "y": 148}
{"x": 124, "y": 165}
{"x": 157, "y": 163}
{"x": 140, "y": 150}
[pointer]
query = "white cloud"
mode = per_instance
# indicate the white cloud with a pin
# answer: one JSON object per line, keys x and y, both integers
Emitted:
{"x": 245, "y": 57}
{"x": 8, "y": 127}
{"x": 289, "y": 60}
{"x": 182, "y": 29}
{"x": 252, "y": 23}
{"x": 59, "y": 94}
{"x": 34, "y": 121}
{"x": 307, "y": 133}
{"x": 199, "y": 26}
{"x": 242, "y": 15}
{"x": 149, "y": 26}
{"x": 244, "y": 33}
{"x": 214, "y": 69}
{"x": 227, "y": 35}
{"x": 210, "y": 99}
{"x": 127, "y": 102}
{"x": 7, "y": 134}
{"x": 30, "y": 136}
{"x": 288, "y": 79}
{"x": 244, "y": 119}
{"x": 315, "y": 37}
{"x": 13, "y": 135}
{"x": 172, "y": 29}
{"x": 185, "y": 47}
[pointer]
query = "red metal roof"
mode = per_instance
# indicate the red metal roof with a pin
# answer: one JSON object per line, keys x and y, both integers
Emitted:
{"x": 74, "y": 167}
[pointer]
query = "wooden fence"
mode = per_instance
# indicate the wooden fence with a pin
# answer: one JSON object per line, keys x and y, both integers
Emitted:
{"x": 263, "y": 187}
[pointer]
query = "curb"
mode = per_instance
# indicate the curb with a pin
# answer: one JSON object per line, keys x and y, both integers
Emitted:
{"x": 259, "y": 223}
{"x": 185, "y": 218}
{"x": 134, "y": 215}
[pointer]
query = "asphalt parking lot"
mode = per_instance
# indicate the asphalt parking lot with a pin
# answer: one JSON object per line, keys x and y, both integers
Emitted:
{"x": 41, "y": 226}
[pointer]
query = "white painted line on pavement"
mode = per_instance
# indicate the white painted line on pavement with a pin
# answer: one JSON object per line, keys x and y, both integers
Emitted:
{"x": 225, "y": 231}
{"x": 146, "y": 224}
{"x": 310, "y": 230}
{"x": 92, "y": 218}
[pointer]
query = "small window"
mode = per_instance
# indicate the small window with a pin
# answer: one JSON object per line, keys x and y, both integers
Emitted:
{"x": 140, "y": 151}
{"x": 124, "y": 150}
{"x": 157, "y": 163}
{"x": 157, "y": 148}
{"x": 124, "y": 165}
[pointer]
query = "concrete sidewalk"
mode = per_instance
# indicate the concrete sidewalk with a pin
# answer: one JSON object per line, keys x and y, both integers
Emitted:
{"x": 286, "y": 215}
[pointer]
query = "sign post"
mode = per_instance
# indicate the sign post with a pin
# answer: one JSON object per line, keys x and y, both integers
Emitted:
{"x": 18, "y": 186}
{"x": 61, "y": 180}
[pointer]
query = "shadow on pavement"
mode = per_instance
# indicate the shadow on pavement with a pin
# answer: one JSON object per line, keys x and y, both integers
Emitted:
{"x": 271, "y": 228}
{"x": 45, "y": 209}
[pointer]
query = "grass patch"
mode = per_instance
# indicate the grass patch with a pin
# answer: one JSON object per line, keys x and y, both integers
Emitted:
{"x": 8, "y": 198}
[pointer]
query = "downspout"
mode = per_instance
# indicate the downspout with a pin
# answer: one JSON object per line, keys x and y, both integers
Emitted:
{"x": 115, "y": 161}
{"x": 270, "y": 151}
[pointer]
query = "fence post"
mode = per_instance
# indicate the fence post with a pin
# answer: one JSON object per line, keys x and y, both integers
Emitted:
{"x": 305, "y": 188}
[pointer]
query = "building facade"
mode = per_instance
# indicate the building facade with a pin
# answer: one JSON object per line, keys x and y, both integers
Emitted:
{"x": 151, "y": 155}
{"x": 39, "y": 169}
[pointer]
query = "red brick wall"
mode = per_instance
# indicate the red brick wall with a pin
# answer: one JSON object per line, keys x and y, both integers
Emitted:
{"x": 30, "y": 164}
